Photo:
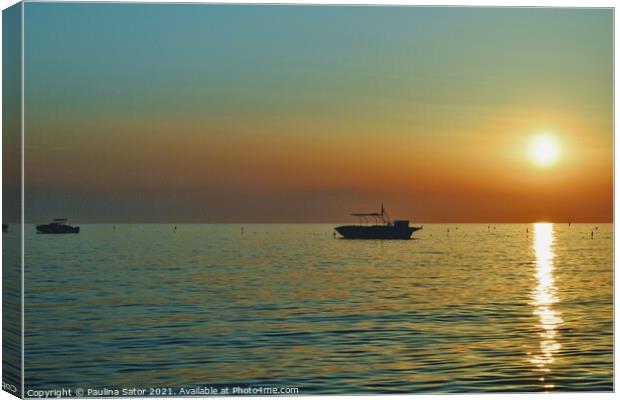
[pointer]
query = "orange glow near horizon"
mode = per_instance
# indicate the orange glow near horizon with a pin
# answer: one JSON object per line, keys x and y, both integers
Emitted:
{"x": 474, "y": 177}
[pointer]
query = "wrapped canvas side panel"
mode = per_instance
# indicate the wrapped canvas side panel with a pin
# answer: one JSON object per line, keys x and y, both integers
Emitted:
{"x": 12, "y": 328}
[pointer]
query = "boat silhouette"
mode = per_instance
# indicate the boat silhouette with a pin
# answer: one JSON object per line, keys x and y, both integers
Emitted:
{"x": 58, "y": 226}
{"x": 386, "y": 229}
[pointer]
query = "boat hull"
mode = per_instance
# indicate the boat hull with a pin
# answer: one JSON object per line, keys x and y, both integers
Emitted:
{"x": 57, "y": 229}
{"x": 376, "y": 232}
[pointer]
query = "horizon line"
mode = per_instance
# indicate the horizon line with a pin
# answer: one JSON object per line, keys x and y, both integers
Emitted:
{"x": 313, "y": 223}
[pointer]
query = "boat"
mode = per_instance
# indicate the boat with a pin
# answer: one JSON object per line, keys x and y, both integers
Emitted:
{"x": 383, "y": 227}
{"x": 57, "y": 226}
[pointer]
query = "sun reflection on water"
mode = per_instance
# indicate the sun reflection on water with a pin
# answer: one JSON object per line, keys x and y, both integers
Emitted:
{"x": 544, "y": 297}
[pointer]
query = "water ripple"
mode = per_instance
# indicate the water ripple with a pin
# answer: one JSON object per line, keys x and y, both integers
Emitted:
{"x": 477, "y": 311}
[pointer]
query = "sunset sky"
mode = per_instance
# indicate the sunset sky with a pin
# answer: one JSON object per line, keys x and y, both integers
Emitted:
{"x": 214, "y": 113}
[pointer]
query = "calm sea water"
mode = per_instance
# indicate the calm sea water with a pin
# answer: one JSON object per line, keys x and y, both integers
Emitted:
{"x": 476, "y": 309}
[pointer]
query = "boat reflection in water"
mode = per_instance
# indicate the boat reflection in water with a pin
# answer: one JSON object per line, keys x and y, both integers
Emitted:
{"x": 543, "y": 299}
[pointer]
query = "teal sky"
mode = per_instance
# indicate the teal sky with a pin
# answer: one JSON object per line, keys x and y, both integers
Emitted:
{"x": 222, "y": 113}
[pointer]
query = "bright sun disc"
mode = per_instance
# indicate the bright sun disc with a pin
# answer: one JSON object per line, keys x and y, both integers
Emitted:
{"x": 544, "y": 150}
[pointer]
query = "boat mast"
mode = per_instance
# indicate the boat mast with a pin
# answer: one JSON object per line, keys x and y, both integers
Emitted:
{"x": 384, "y": 215}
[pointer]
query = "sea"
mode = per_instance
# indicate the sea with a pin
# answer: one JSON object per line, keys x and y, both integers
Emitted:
{"x": 461, "y": 308}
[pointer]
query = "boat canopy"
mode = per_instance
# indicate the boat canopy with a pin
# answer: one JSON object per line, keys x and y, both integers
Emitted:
{"x": 383, "y": 216}
{"x": 366, "y": 214}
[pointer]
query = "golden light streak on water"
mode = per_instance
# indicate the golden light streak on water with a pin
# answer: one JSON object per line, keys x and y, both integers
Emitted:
{"x": 544, "y": 297}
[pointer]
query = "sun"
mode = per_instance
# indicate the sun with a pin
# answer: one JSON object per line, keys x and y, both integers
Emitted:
{"x": 544, "y": 150}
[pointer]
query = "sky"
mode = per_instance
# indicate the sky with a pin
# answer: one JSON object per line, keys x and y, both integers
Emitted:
{"x": 222, "y": 113}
